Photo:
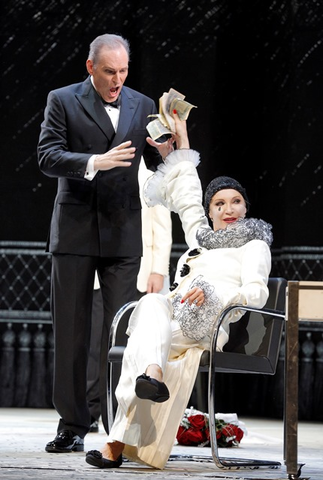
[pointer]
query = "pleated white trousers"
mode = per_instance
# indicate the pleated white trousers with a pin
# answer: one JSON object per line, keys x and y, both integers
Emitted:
{"x": 149, "y": 429}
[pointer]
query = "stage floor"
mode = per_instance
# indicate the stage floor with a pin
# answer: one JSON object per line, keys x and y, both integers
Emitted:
{"x": 25, "y": 432}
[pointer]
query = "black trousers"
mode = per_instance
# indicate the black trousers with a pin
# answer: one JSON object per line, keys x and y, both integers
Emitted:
{"x": 93, "y": 368}
{"x": 93, "y": 372}
{"x": 71, "y": 306}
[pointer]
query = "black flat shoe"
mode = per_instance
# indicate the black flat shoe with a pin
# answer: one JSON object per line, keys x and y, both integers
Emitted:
{"x": 95, "y": 458}
{"x": 65, "y": 441}
{"x": 148, "y": 388}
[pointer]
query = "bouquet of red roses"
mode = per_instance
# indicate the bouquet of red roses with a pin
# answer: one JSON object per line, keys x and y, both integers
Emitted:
{"x": 194, "y": 429}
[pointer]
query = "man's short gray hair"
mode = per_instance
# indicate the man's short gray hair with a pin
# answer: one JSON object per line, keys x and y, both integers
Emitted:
{"x": 110, "y": 41}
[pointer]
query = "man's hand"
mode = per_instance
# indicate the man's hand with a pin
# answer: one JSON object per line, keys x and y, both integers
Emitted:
{"x": 180, "y": 137}
{"x": 115, "y": 157}
{"x": 164, "y": 148}
{"x": 155, "y": 283}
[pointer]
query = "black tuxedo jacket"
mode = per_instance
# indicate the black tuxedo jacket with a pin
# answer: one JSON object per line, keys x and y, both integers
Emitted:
{"x": 101, "y": 217}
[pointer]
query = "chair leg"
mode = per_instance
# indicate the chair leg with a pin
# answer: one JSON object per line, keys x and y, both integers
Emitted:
{"x": 111, "y": 344}
{"x": 110, "y": 398}
{"x": 226, "y": 463}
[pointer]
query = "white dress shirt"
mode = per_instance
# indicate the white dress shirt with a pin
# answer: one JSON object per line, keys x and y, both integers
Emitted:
{"x": 114, "y": 113}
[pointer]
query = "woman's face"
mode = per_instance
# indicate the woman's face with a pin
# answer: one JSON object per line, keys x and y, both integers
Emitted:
{"x": 226, "y": 206}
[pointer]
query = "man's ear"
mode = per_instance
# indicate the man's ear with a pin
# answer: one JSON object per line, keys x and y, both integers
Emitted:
{"x": 89, "y": 66}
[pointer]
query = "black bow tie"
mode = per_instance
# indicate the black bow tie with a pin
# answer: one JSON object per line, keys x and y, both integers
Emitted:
{"x": 114, "y": 104}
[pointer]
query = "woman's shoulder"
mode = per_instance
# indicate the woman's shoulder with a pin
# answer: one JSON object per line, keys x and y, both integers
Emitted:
{"x": 256, "y": 245}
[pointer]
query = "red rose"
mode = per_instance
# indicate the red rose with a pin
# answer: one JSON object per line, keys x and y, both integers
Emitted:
{"x": 197, "y": 421}
{"x": 194, "y": 431}
{"x": 218, "y": 434}
{"x": 189, "y": 436}
{"x": 239, "y": 434}
{"x": 233, "y": 433}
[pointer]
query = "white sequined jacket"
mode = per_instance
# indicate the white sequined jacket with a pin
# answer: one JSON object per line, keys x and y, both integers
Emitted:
{"x": 236, "y": 271}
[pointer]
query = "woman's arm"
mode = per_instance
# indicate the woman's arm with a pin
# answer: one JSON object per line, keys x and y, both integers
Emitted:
{"x": 176, "y": 184}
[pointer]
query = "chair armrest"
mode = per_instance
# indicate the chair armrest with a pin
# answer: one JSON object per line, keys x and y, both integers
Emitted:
{"x": 243, "y": 362}
{"x": 115, "y": 354}
{"x": 116, "y": 320}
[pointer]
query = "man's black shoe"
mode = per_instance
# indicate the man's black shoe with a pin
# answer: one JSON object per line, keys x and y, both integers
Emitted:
{"x": 94, "y": 428}
{"x": 64, "y": 442}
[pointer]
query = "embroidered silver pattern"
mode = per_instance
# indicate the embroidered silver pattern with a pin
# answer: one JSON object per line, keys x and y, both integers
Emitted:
{"x": 197, "y": 322}
{"x": 236, "y": 234}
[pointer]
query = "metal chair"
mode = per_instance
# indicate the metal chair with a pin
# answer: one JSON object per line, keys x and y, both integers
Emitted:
{"x": 115, "y": 355}
{"x": 258, "y": 357}
{"x": 257, "y": 353}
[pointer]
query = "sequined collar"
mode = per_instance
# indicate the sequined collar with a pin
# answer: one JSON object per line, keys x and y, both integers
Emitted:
{"x": 236, "y": 234}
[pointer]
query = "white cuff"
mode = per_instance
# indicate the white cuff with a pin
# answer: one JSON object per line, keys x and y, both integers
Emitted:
{"x": 154, "y": 188}
{"x": 90, "y": 172}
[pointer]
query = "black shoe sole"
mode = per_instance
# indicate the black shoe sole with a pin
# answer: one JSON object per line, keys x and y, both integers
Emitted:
{"x": 74, "y": 448}
{"x": 151, "y": 389}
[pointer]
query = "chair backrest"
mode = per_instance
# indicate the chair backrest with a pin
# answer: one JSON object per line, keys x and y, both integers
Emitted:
{"x": 254, "y": 341}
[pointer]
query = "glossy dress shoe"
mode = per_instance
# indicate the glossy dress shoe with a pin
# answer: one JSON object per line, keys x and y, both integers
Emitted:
{"x": 95, "y": 458}
{"x": 151, "y": 389}
{"x": 94, "y": 428}
{"x": 64, "y": 442}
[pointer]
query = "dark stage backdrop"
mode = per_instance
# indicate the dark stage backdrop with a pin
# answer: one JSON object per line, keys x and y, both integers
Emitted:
{"x": 253, "y": 68}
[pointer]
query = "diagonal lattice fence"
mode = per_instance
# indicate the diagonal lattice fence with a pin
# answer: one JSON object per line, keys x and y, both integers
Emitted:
{"x": 26, "y": 338}
{"x": 25, "y": 277}
{"x": 25, "y": 273}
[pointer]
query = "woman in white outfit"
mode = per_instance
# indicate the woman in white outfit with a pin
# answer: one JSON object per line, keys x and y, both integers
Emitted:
{"x": 167, "y": 334}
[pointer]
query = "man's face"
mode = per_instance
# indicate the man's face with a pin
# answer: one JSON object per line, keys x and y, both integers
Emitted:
{"x": 109, "y": 72}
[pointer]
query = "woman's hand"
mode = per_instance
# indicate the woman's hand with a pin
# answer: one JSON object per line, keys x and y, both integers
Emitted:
{"x": 195, "y": 295}
{"x": 180, "y": 136}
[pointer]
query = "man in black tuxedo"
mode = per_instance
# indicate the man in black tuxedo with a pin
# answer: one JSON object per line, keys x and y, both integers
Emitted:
{"x": 93, "y": 148}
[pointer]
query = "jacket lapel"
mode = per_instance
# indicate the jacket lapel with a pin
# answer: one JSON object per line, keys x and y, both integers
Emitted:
{"x": 91, "y": 102}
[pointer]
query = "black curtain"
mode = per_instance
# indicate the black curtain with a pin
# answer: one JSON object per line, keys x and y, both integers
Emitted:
{"x": 254, "y": 69}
